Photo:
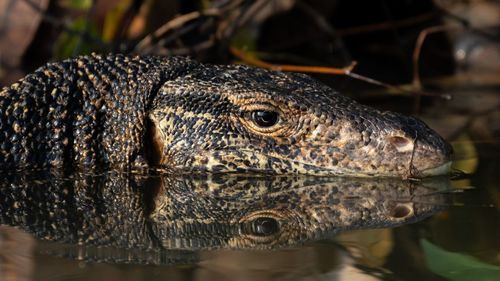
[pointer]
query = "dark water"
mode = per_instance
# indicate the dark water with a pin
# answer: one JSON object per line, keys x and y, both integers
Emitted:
{"x": 130, "y": 227}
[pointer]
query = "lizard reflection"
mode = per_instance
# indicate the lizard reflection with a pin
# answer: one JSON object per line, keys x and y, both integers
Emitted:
{"x": 159, "y": 213}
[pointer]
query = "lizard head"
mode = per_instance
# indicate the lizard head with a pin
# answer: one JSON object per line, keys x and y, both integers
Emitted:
{"x": 243, "y": 119}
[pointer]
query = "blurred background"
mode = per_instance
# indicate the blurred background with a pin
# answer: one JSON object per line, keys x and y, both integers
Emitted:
{"x": 438, "y": 59}
{"x": 383, "y": 36}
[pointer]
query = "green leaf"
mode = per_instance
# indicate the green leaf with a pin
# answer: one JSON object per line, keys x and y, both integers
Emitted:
{"x": 458, "y": 267}
{"x": 113, "y": 19}
{"x": 244, "y": 39}
{"x": 77, "y": 4}
{"x": 69, "y": 44}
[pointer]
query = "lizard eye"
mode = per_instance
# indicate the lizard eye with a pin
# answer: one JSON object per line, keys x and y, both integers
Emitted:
{"x": 264, "y": 118}
{"x": 264, "y": 226}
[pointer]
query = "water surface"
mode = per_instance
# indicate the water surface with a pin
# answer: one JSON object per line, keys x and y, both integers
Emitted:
{"x": 130, "y": 227}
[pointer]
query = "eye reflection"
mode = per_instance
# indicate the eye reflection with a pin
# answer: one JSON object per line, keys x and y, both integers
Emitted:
{"x": 402, "y": 210}
{"x": 264, "y": 118}
{"x": 264, "y": 226}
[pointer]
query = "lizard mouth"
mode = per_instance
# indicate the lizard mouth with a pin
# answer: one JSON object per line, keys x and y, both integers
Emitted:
{"x": 283, "y": 165}
{"x": 438, "y": 170}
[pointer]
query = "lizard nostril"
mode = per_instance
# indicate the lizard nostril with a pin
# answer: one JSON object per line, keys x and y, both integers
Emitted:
{"x": 402, "y": 144}
{"x": 399, "y": 141}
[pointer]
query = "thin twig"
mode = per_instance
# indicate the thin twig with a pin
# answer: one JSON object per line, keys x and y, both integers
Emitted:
{"x": 193, "y": 49}
{"x": 347, "y": 71}
{"x": 413, "y": 172}
{"x": 174, "y": 24}
{"x": 418, "y": 48}
{"x": 218, "y": 11}
{"x": 417, "y": 84}
{"x": 174, "y": 36}
{"x": 296, "y": 68}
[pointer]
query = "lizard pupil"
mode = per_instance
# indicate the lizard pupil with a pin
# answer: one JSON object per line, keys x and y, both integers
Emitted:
{"x": 265, "y": 118}
{"x": 264, "y": 226}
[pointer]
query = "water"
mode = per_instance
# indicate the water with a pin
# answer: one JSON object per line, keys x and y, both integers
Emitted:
{"x": 129, "y": 227}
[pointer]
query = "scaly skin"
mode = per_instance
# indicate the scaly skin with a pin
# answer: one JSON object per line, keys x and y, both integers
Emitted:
{"x": 124, "y": 211}
{"x": 128, "y": 112}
